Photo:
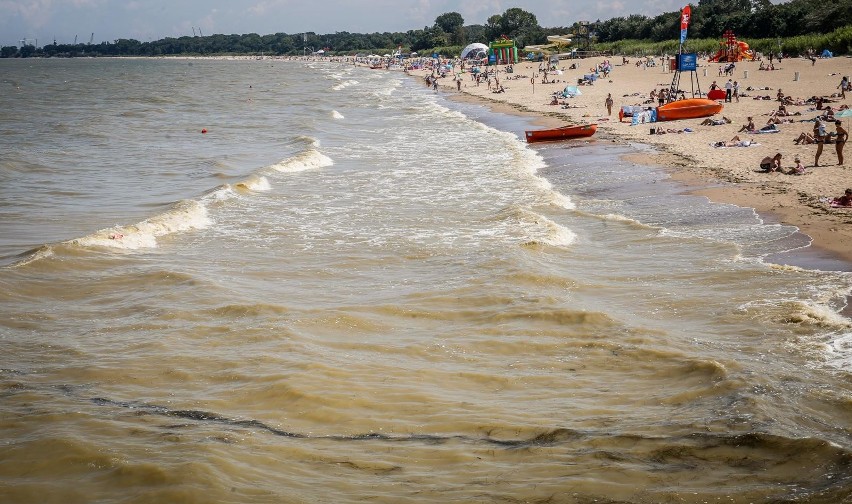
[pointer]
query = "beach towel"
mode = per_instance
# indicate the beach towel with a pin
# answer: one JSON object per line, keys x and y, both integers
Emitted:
{"x": 644, "y": 117}
{"x": 761, "y": 131}
{"x": 721, "y": 145}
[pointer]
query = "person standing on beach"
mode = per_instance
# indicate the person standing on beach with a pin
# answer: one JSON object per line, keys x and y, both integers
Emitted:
{"x": 608, "y": 104}
{"x": 729, "y": 89}
{"x": 736, "y": 91}
{"x": 840, "y": 140}
{"x": 819, "y": 138}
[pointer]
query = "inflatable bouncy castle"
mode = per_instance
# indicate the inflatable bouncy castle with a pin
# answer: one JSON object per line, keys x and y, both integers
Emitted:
{"x": 732, "y": 50}
{"x": 502, "y": 52}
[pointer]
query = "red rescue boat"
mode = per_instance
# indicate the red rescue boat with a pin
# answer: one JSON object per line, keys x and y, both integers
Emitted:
{"x": 690, "y": 108}
{"x": 562, "y": 133}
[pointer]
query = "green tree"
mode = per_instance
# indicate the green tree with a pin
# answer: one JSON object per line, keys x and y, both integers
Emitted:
{"x": 515, "y": 21}
{"x": 449, "y": 22}
{"x": 476, "y": 33}
{"x": 493, "y": 27}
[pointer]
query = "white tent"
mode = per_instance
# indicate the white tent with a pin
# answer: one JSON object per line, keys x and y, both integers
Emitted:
{"x": 476, "y": 50}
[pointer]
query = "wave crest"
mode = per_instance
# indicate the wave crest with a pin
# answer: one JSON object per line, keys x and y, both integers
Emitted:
{"x": 307, "y": 160}
{"x": 184, "y": 216}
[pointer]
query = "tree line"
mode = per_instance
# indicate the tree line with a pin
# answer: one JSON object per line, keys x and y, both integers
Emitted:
{"x": 754, "y": 19}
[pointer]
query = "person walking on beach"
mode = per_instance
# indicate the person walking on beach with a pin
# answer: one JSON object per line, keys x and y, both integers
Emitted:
{"x": 840, "y": 140}
{"x": 736, "y": 91}
{"x": 609, "y": 104}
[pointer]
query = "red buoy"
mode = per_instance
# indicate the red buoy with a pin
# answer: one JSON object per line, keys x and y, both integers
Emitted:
{"x": 203, "y": 130}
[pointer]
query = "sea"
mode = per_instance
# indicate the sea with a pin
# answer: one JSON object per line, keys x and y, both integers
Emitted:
{"x": 270, "y": 281}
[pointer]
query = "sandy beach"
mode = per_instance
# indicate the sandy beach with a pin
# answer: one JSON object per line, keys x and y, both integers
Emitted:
{"x": 724, "y": 174}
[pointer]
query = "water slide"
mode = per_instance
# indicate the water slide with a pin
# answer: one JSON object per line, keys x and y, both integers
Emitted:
{"x": 744, "y": 53}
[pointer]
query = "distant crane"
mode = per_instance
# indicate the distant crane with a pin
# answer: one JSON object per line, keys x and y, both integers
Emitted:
{"x": 193, "y": 31}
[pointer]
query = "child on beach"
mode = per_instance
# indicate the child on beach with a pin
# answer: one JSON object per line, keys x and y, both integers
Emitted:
{"x": 799, "y": 169}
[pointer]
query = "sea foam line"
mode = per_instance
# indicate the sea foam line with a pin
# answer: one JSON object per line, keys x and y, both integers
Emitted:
{"x": 184, "y": 216}
{"x": 307, "y": 160}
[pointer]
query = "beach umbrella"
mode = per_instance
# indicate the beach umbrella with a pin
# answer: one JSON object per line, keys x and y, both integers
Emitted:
{"x": 847, "y": 113}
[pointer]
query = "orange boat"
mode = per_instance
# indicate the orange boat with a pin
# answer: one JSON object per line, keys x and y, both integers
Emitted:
{"x": 691, "y": 108}
{"x": 563, "y": 133}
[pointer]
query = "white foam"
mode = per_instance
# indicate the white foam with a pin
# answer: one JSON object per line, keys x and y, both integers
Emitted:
{"x": 557, "y": 235}
{"x": 540, "y": 229}
{"x": 308, "y": 160}
{"x": 839, "y": 351}
{"x": 184, "y": 216}
{"x": 336, "y": 115}
{"x": 345, "y": 84}
{"x": 255, "y": 183}
{"x": 561, "y": 200}
{"x": 820, "y": 315}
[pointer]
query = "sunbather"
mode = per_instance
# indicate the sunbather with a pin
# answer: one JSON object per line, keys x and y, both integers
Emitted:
{"x": 804, "y": 138}
{"x": 734, "y": 142}
{"x": 715, "y": 122}
{"x": 845, "y": 200}
{"x": 748, "y": 127}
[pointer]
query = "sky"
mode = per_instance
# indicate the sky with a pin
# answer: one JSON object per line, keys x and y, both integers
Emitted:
{"x": 42, "y": 21}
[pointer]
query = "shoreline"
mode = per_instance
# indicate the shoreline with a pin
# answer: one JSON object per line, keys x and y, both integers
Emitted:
{"x": 723, "y": 175}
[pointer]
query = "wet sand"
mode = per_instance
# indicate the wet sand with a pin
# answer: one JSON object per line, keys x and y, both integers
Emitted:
{"x": 729, "y": 174}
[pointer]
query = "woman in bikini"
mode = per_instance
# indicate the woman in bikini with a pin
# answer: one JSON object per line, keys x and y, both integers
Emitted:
{"x": 840, "y": 140}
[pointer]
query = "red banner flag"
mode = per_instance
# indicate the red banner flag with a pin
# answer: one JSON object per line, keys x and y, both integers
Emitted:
{"x": 685, "y": 14}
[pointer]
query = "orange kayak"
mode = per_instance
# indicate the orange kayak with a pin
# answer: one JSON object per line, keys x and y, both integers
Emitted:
{"x": 563, "y": 133}
{"x": 688, "y": 109}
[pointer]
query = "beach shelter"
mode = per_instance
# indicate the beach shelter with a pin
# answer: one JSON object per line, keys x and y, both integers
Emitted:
{"x": 844, "y": 114}
{"x": 571, "y": 91}
{"x": 476, "y": 51}
{"x": 826, "y": 54}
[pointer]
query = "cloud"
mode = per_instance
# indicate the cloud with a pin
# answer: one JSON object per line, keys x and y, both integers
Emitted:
{"x": 262, "y": 8}
{"x": 35, "y": 13}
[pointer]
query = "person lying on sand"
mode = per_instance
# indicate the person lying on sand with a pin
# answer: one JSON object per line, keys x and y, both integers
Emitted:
{"x": 715, "y": 122}
{"x": 845, "y": 200}
{"x": 734, "y": 142}
{"x": 804, "y": 138}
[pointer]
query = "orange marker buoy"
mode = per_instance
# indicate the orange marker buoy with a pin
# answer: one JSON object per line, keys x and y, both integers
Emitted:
{"x": 203, "y": 130}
